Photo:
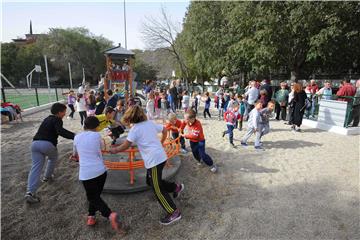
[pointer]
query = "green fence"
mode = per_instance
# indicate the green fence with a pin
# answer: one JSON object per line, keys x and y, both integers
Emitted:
{"x": 27, "y": 98}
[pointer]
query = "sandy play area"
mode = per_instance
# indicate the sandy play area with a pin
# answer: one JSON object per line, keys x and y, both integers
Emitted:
{"x": 304, "y": 186}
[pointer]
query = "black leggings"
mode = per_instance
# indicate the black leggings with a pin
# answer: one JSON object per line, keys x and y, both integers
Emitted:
{"x": 206, "y": 110}
{"x": 72, "y": 110}
{"x": 161, "y": 187}
{"x": 83, "y": 117}
{"x": 93, "y": 188}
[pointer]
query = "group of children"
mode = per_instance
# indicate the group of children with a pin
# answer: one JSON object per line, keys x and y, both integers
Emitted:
{"x": 158, "y": 104}
{"x": 92, "y": 171}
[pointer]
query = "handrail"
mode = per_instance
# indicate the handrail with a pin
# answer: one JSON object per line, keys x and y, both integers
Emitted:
{"x": 133, "y": 164}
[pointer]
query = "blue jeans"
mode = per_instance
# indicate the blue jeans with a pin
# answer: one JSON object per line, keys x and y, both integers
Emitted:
{"x": 198, "y": 151}
{"x": 39, "y": 151}
{"x": 230, "y": 129}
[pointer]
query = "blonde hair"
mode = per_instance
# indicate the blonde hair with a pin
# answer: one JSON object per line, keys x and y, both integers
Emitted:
{"x": 134, "y": 114}
{"x": 171, "y": 116}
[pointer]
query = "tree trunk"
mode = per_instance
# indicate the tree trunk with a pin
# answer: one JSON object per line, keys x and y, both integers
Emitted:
{"x": 294, "y": 75}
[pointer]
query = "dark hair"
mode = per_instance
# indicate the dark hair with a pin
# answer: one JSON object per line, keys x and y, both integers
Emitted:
{"x": 347, "y": 80}
{"x": 109, "y": 109}
{"x": 109, "y": 92}
{"x": 57, "y": 107}
{"x": 272, "y": 102}
{"x": 79, "y": 96}
{"x": 91, "y": 122}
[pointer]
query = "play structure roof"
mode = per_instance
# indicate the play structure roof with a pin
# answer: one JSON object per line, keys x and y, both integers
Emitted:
{"x": 119, "y": 53}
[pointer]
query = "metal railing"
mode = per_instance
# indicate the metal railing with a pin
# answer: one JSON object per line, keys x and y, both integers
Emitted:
{"x": 32, "y": 97}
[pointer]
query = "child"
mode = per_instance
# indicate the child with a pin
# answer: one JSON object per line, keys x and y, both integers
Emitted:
{"x": 195, "y": 104}
{"x": 164, "y": 107}
{"x": 242, "y": 111}
{"x": 185, "y": 101}
{"x": 174, "y": 125}
{"x": 265, "y": 115}
{"x": 100, "y": 104}
{"x": 71, "y": 101}
{"x": 221, "y": 106}
{"x": 207, "y": 101}
{"x": 150, "y": 106}
{"x": 194, "y": 132}
{"x": 92, "y": 172}
{"x": 263, "y": 98}
{"x": 157, "y": 104}
{"x": 106, "y": 120}
{"x": 91, "y": 104}
{"x": 144, "y": 134}
{"x": 119, "y": 110}
{"x": 44, "y": 145}
{"x": 81, "y": 107}
{"x": 254, "y": 126}
{"x": 231, "y": 116}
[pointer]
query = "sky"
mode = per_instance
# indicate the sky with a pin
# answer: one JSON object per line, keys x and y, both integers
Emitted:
{"x": 101, "y": 18}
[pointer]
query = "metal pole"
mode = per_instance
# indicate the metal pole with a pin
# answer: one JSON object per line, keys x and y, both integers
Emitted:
{"x": 37, "y": 97}
{"x": 125, "y": 25}
{"x": 3, "y": 94}
{"x": 71, "y": 86}
{"x": 47, "y": 76}
{"x": 57, "y": 97}
{"x": 83, "y": 82}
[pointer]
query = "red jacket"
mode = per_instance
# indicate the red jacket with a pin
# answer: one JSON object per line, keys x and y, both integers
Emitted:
{"x": 347, "y": 90}
{"x": 175, "y": 128}
{"x": 231, "y": 117}
{"x": 194, "y": 132}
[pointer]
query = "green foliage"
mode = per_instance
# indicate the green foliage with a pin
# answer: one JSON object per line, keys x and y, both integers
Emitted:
{"x": 264, "y": 37}
{"x": 75, "y": 45}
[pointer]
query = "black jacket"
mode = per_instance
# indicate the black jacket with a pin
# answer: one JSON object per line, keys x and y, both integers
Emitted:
{"x": 51, "y": 128}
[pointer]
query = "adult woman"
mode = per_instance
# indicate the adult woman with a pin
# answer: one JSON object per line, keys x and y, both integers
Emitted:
{"x": 174, "y": 96}
{"x": 299, "y": 106}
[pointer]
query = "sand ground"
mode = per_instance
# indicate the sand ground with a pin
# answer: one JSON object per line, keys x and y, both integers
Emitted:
{"x": 304, "y": 186}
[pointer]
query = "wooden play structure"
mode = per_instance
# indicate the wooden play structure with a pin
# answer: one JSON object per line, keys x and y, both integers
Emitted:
{"x": 119, "y": 75}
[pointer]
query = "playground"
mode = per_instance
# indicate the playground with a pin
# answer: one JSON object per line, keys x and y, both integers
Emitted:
{"x": 302, "y": 187}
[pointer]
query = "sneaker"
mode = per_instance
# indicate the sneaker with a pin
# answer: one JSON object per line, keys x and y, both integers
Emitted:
{"x": 48, "y": 179}
{"x": 298, "y": 130}
{"x": 243, "y": 144}
{"x": 198, "y": 163}
{"x": 178, "y": 190}
{"x": 213, "y": 169}
{"x": 31, "y": 198}
{"x": 259, "y": 148}
{"x": 233, "y": 145}
{"x": 183, "y": 150}
{"x": 223, "y": 134}
{"x": 115, "y": 221}
{"x": 90, "y": 221}
{"x": 68, "y": 117}
{"x": 171, "y": 218}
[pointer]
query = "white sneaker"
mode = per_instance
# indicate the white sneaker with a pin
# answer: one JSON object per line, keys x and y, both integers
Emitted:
{"x": 198, "y": 163}
{"x": 68, "y": 117}
{"x": 213, "y": 169}
{"x": 182, "y": 150}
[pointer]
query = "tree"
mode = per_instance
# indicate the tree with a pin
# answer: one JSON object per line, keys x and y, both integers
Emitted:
{"x": 161, "y": 33}
{"x": 264, "y": 37}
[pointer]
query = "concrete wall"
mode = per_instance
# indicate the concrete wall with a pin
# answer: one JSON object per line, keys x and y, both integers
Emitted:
{"x": 332, "y": 112}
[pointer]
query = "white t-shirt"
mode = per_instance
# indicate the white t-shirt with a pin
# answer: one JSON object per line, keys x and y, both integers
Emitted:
{"x": 81, "y": 90}
{"x": 88, "y": 145}
{"x": 186, "y": 101}
{"x": 80, "y": 105}
{"x": 144, "y": 135}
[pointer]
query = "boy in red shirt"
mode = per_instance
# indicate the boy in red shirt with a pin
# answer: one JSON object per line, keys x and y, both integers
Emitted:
{"x": 194, "y": 132}
{"x": 231, "y": 116}
{"x": 175, "y": 125}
